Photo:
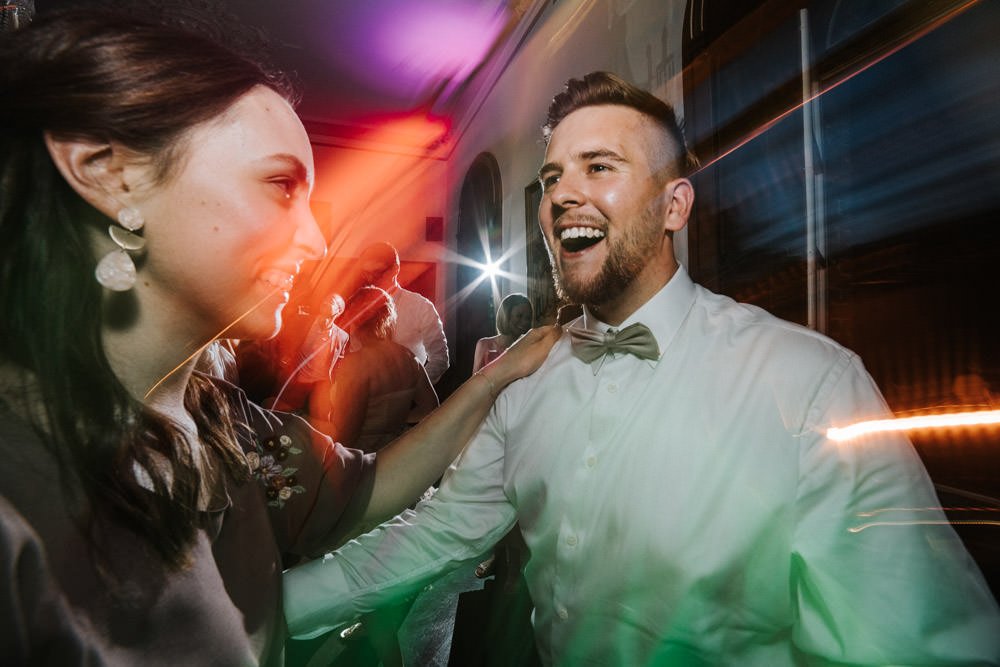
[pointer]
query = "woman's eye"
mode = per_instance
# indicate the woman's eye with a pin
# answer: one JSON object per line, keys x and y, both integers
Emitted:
{"x": 287, "y": 185}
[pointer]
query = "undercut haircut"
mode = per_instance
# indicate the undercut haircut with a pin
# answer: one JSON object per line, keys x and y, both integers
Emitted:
{"x": 604, "y": 88}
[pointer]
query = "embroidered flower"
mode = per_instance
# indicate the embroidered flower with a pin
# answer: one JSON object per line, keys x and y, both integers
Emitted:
{"x": 280, "y": 483}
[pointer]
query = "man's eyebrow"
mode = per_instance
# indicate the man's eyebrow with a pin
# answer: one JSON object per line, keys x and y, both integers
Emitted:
{"x": 595, "y": 154}
{"x": 602, "y": 154}
{"x": 546, "y": 168}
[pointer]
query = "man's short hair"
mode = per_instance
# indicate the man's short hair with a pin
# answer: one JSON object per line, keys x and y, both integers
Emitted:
{"x": 601, "y": 88}
{"x": 382, "y": 252}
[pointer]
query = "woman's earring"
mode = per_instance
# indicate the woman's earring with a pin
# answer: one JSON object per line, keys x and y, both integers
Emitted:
{"x": 116, "y": 271}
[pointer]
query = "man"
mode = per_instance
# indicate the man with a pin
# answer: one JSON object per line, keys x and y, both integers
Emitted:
{"x": 281, "y": 375}
{"x": 418, "y": 326}
{"x": 683, "y": 505}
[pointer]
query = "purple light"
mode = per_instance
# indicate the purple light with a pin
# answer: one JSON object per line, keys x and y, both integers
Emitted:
{"x": 403, "y": 47}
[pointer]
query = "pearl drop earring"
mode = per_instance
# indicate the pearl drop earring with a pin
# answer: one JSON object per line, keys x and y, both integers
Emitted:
{"x": 116, "y": 271}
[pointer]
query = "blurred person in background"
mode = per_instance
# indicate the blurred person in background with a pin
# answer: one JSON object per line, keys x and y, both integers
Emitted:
{"x": 309, "y": 366}
{"x": 418, "y": 325}
{"x": 378, "y": 389}
{"x": 515, "y": 317}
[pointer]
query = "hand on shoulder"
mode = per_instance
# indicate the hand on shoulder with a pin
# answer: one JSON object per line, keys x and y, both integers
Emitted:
{"x": 524, "y": 356}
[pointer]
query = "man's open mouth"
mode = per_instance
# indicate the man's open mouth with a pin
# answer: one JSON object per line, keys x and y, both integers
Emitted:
{"x": 575, "y": 239}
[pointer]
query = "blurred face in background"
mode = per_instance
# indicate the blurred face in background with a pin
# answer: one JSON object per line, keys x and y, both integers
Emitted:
{"x": 520, "y": 319}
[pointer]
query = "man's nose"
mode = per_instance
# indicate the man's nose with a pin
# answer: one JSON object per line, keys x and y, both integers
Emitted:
{"x": 566, "y": 192}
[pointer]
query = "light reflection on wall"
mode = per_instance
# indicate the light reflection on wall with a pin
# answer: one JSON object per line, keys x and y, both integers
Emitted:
{"x": 380, "y": 185}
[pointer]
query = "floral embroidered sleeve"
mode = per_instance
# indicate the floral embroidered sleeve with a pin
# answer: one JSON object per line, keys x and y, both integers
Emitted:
{"x": 314, "y": 488}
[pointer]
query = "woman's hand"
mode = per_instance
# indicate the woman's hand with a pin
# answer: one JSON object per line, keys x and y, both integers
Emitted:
{"x": 523, "y": 357}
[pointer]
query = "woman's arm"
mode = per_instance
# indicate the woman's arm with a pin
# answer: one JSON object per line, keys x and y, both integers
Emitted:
{"x": 411, "y": 463}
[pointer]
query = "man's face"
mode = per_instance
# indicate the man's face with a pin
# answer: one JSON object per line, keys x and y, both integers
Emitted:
{"x": 377, "y": 273}
{"x": 603, "y": 207}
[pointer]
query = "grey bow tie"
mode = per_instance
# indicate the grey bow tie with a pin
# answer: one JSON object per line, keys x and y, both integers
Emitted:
{"x": 634, "y": 339}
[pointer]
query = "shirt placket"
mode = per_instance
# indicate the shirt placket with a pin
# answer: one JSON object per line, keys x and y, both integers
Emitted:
{"x": 573, "y": 548}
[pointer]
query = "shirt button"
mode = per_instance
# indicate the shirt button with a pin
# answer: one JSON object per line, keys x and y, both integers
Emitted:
{"x": 562, "y": 613}
{"x": 612, "y": 388}
{"x": 591, "y": 462}
{"x": 571, "y": 540}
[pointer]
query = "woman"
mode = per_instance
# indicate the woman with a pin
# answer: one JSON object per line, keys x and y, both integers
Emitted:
{"x": 155, "y": 196}
{"x": 378, "y": 388}
{"x": 514, "y": 317}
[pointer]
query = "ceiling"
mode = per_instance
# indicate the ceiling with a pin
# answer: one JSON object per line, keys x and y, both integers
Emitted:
{"x": 359, "y": 62}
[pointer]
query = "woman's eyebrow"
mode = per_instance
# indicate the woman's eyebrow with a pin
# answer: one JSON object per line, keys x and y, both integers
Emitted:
{"x": 289, "y": 161}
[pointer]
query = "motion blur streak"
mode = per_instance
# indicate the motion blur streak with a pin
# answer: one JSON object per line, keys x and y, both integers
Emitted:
{"x": 976, "y": 418}
{"x": 774, "y": 121}
{"x": 874, "y": 524}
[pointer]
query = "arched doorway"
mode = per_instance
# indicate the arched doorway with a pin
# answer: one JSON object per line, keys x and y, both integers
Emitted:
{"x": 479, "y": 232}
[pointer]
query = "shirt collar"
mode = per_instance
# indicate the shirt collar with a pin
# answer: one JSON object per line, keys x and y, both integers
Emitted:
{"x": 663, "y": 313}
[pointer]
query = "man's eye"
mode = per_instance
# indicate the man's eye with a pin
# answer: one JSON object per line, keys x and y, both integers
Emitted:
{"x": 598, "y": 168}
{"x": 549, "y": 181}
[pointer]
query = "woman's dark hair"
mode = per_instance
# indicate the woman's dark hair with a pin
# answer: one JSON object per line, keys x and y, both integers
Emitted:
{"x": 507, "y": 305}
{"x": 104, "y": 78}
{"x": 600, "y": 88}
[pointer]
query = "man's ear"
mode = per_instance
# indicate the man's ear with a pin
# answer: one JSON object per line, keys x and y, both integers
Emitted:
{"x": 93, "y": 170}
{"x": 679, "y": 206}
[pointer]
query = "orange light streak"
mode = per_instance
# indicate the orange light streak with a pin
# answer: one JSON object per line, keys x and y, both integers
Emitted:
{"x": 930, "y": 509}
{"x": 975, "y": 418}
{"x": 874, "y": 524}
{"x": 212, "y": 340}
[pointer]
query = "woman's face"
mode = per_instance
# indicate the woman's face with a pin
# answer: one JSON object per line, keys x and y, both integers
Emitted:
{"x": 227, "y": 232}
{"x": 520, "y": 319}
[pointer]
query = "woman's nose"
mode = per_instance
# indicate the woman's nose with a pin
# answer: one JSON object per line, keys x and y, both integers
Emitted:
{"x": 309, "y": 237}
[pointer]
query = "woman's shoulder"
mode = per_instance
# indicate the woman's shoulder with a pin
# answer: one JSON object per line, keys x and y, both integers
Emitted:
{"x": 490, "y": 342}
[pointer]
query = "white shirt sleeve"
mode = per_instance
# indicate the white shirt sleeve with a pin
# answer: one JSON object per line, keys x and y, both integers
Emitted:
{"x": 435, "y": 343}
{"x": 878, "y": 574}
{"x": 467, "y": 515}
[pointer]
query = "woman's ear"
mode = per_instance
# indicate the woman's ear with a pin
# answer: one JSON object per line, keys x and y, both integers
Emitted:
{"x": 93, "y": 170}
{"x": 679, "y": 206}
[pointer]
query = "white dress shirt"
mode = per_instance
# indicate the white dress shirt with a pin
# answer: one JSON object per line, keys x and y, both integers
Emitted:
{"x": 418, "y": 327}
{"x": 691, "y": 510}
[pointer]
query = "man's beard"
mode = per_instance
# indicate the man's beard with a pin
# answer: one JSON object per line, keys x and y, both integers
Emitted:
{"x": 624, "y": 261}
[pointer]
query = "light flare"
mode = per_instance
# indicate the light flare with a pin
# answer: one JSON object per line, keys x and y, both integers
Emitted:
{"x": 928, "y": 522}
{"x": 956, "y": 419}
{"x": 492, "y": 270}
{"x": 214, "y": 338}
{"x": 943, "y": 522}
